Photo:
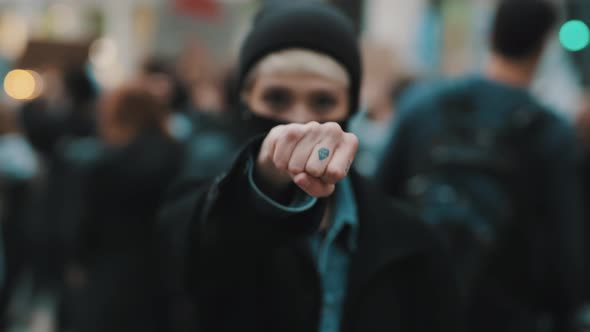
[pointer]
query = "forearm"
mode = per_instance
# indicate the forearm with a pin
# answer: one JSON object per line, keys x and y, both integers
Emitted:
{"x": 231, "y": 227}
{"x": 237, "y": 210}
{"x": 232, "y": 212}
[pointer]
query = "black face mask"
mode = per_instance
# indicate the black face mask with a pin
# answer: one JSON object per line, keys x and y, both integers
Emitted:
{"x": 256, "y": 124}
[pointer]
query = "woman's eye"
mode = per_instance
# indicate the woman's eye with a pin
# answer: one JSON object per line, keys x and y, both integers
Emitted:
{"x": 321, "y": 102}
{"x": 278, "y": 99}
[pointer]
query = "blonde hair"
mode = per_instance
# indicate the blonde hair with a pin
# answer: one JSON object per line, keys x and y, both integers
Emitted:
{"x": 297, "y": 60}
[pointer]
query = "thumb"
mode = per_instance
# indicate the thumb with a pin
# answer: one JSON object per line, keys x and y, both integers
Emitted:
{"x": 313, "y": 186}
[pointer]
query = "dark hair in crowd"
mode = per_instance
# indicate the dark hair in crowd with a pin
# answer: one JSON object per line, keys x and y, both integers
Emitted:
{"x": 521, "y": 26}
{"x": 79, "y": 86}
{"x": 180, "y": 96}
{"x": 130, "y": 111}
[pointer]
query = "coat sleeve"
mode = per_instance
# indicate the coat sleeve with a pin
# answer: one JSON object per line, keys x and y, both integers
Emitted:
{"x": 233, "y": 211}
{"x": 228, "y": 226}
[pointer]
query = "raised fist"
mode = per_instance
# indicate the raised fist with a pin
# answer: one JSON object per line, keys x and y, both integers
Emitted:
{"x": 314, "y": 156}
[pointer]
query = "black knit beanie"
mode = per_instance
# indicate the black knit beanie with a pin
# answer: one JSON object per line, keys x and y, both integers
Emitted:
{"x": 310, "y": 25}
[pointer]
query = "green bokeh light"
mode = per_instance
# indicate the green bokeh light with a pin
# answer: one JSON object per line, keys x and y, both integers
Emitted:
{"x": 574, "y": 35}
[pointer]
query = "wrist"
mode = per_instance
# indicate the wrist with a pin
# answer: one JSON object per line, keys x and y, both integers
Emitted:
{"x": 274, "y": 183}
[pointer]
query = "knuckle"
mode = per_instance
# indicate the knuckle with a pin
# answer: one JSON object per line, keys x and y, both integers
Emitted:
{"x": 283, "y": 136}
{"x": 293, "y": 134}
{"x": 274, "y": 132}
{"x": 314, "y": 171}
{"x": 298, "y": 126}
{"x": 353, "y": 140}
{"x": 313, "y": 125}
{"x": 280, "y": 163}
{"x": 332, "y": 127}
{"x": 295, "y": 167}
{"x": 277, "y": 129}
{"x": 336, "y": 173}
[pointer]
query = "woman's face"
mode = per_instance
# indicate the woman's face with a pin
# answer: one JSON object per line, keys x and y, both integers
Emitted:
{"x": 298, "y": 98}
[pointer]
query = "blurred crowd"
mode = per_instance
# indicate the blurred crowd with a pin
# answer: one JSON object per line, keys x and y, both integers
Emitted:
{"x": 91, "y": 181}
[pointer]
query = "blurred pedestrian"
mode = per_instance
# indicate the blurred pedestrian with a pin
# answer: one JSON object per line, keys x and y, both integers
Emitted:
{"x": 583, "y": 129}
{"x": 497, "y": 172}
{"x": 159, "y": 76}
{"x": 18, "y": 162}
{"x": 285, "y": 240}
{"x": 19, "y": 166}
{"x": 383, "y": 81}
{"x": 117, "y": 267}
{"x": 63, "y": 113}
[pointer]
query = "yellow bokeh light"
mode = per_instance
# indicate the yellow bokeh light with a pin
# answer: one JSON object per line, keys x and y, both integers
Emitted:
{"x": 22, "y": 84}
{"x": 39, "y": 84}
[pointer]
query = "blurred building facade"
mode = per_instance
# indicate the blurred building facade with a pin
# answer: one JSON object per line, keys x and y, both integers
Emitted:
{"x": 429, "y": 37}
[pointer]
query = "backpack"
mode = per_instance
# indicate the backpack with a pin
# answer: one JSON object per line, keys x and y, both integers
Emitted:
{"x": 467, "y": 181}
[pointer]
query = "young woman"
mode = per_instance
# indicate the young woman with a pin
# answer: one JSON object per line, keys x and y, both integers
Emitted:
{"x": 289, "y": 239}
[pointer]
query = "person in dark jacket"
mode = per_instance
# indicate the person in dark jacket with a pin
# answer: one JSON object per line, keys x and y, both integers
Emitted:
{"x": 64, "y": 113}
{"x": 117, "y": 275}
{"x": 19, "y": 167}
{"x": 287, "y": 240}
{"x": 583, "y": 131}
{"x": 530, "y": 278}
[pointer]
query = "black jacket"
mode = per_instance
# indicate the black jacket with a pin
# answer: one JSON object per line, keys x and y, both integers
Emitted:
{"x": 248, "y": 271}
{"x": 532, "y": 276}
{"x": 585, "y": 170}
{"x": 123, "y": 191}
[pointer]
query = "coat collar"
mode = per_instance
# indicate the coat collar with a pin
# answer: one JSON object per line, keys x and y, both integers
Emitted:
{"x": 389, "y": 232}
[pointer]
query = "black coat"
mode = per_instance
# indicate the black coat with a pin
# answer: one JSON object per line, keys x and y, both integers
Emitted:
{"x": 14, "y": 198}
{"x": 124, "y": 189}
{"x": 530, "y": 280}
{"x": 249, "y": 272}
{"x": 585, "y": 170}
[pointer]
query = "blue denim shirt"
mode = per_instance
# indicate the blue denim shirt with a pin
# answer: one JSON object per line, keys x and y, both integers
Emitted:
{"x": 331, "y": 251}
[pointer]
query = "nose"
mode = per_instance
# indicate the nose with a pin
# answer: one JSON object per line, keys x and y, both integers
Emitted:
{"x": 301, "y": 113}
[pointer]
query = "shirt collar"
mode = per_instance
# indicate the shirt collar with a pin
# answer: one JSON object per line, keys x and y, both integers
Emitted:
{"x": 345, "y": 215}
